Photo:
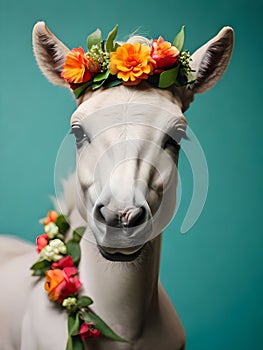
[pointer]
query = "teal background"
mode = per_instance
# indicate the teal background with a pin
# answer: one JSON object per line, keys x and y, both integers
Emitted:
{"x": 213, "y": 273}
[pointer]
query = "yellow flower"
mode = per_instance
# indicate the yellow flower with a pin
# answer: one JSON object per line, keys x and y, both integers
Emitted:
{"x": 132, "y": 63}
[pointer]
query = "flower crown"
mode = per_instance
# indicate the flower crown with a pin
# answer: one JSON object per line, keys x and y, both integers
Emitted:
{"x": 108, "y": 64}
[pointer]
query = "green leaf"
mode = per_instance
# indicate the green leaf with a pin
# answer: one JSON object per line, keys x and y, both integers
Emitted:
{"x": 96, "y": 86}
{"x": 168, "y": 77}
{"x": 84, "y": 301}
{"x": 94, "y": 39}
{"x": 62, "y": 224}
{"x": 71, "y": 321}
{"x": 73, "y": 324}
{"x": 178, "y": 41}
{"x": 116, "y": 46}
{"x": 77, "y": 343}
{"x": 102, "y": 76}
{"x": 113, "y": 83}
{"x": 78, "y": 233}
{"x": 74, "y": 343}
{"x": 73, "y": 249}
{"x": 90, "y": 316}
{"x": 80, "y": 90}
{"x": 110, "y": 39}
{"x": 69, "y": 343}
{"x": 40, "y": 267}
{"x": 39, "y": 273}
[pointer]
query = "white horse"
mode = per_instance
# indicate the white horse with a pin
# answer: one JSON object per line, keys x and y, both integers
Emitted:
{"x": 126, "y": 175}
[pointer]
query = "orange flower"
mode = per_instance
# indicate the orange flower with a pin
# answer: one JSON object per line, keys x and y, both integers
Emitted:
{"x": 132, "y": 63}
{"x": 51, "y": 217}
{"x": 164, "y": 54}
{"x": 62, "y": 283}
{"x": 53, "y": 279}
{"x": 75, "y": 68}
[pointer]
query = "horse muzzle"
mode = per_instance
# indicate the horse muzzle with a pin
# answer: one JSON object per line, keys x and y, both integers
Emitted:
{"x": 121, "y": 231}
{"x": 125, "y": 219}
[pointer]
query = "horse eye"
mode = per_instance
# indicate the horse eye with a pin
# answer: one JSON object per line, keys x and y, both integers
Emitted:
{"x": 172, "y": 145}
{"x": 78, "y": 132}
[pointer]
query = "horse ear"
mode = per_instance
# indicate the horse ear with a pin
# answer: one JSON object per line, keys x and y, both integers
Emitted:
{"x": 211, "y": 60}
{"x": 50, "y": 53}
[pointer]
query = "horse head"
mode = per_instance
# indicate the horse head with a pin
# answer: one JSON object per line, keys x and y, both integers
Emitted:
{"x": 127, "y": 142}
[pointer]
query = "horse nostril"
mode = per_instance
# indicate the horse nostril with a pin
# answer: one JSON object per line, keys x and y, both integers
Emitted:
{"x": 98, "y": 214}
{"x": 126, "y": 218}
{"x": 132, "y": 217}
{"x": 108, "y": 216}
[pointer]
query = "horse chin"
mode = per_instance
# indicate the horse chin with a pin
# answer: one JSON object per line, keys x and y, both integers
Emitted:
{"x": 121, "y": 255}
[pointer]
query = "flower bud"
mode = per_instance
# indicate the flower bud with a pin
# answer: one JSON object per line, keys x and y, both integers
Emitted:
{"x": 51, "y": 230}
{"x": 69, "y": 303}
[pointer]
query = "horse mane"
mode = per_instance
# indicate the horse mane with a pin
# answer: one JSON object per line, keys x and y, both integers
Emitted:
{"x": 139, "y": 38}
{"x": 65, "y": 203}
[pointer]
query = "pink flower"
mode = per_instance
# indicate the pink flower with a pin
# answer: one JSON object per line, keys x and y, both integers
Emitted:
{"x": 164, "y": 54}
{"x": 87, "y": 330}
{"x": 62, "y": 283}
{"x": 41, "y": 242}
{"x": 67, "y": 261}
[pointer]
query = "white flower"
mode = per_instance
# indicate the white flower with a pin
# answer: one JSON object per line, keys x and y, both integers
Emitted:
{"x": 51, "y": 230}
{"x": 69, "y": 302}
{"x": 54, "y": 250}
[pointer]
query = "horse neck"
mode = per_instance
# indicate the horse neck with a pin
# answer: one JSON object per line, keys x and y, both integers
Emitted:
{"x": 124, "y": 294}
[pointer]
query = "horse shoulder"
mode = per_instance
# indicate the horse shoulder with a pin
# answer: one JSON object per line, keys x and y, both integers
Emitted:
{"x": 44, "y": 325}
{"x": 12, "y": 247}
{"x": 31, "y": 319}
{"x": 16, "y": 259}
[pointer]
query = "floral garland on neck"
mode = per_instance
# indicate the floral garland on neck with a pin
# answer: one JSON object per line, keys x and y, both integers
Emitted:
{"x": 58, "y": 263}
{"x": 108, "y": 64}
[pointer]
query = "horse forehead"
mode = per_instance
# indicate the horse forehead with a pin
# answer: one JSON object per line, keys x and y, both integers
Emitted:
{"x": 131, "y": 114}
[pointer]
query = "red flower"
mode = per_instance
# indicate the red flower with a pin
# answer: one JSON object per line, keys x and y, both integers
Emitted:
{"x": 41, "y": 242}
{"x": 67, "y": 261}
{"x": 165, "y": 55}
{"x": 87, "y": 330}
{"x": 62, "y": 283}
